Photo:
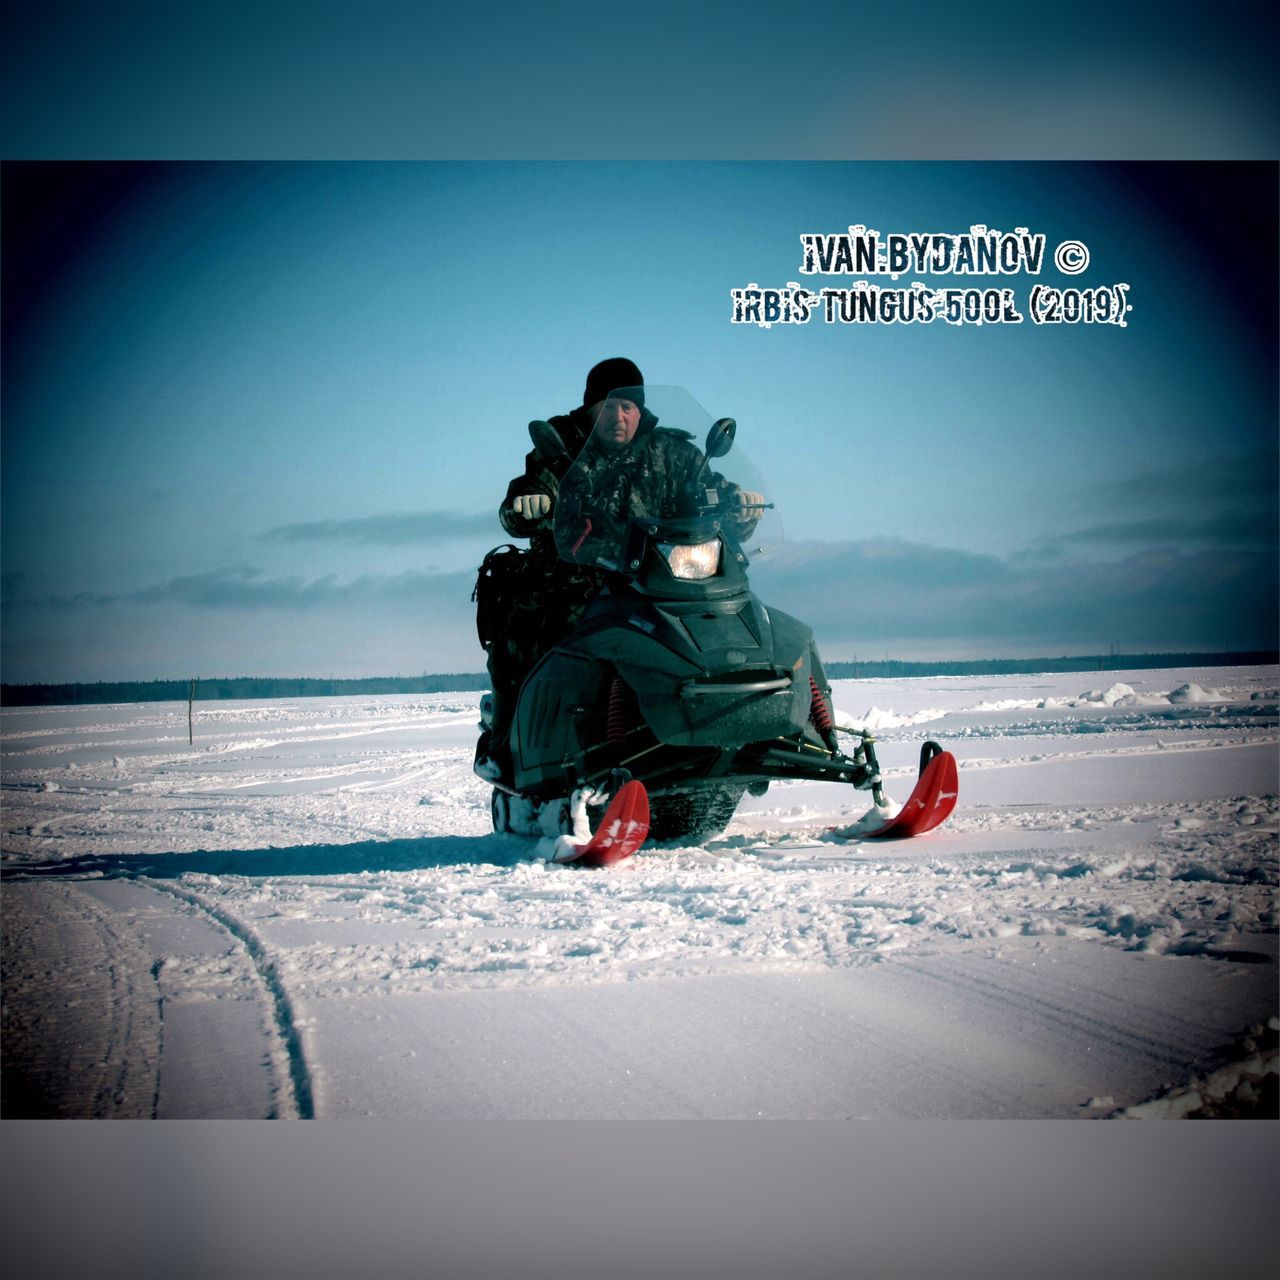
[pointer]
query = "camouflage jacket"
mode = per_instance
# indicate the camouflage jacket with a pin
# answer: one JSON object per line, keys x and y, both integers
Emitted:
{"x": 661, "y": 474}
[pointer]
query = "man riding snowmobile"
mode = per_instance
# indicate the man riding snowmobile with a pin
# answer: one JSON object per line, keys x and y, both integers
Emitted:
{"x": 529, "y": 601}
{"x": 675, "y": 690}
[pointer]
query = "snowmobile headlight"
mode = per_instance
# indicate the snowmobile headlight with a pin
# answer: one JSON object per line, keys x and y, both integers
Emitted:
{"x": 694, "y": 562}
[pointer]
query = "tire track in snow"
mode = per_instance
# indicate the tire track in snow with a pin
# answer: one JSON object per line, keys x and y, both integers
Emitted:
{"x": 1142, "y": 749}
{"x": 296, "y": 1080}
{"x": 82, "y": 1015}
{"x": 1139, "y": 1037}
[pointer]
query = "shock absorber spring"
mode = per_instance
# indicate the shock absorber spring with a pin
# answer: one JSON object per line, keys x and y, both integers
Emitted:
{"x": 619, "y": 710}
{"x": 821, "y": 716}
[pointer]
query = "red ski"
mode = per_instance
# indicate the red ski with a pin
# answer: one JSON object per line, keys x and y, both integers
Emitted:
{"x": 932, "y": 801}
{"x": 622, "y": 830}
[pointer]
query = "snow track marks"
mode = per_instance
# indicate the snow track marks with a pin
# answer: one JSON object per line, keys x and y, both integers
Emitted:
{"x": 132, "y": 998}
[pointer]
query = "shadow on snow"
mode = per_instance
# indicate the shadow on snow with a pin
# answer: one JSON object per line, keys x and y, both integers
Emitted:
{"x": 422, "y": 854}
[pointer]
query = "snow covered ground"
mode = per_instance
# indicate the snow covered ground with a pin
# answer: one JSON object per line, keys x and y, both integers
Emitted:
{"x": 306, "y": 913}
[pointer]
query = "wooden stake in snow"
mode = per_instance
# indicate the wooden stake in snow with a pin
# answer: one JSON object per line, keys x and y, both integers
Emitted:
{"x": 191, "y": 699}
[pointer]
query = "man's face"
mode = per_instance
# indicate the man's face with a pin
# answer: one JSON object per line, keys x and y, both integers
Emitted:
{"x": 616, "y": 422}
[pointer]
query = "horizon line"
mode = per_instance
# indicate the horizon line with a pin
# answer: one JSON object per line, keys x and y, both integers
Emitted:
{"x": 1175, "y": 657}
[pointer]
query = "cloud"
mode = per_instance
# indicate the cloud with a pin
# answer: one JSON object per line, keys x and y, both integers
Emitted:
{"x": 238, "y": 621}
{"x": 18, "y": 590}
{"x": 397, "y": 529}
{"x": 875, "y": 562}
{"x": 1236, "y": 528}
{"x": 1222, "y": 481}
{"x": 246, "y": 588}
{"x": 915, "y": 594}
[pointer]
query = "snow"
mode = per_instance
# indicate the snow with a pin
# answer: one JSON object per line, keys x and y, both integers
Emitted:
{"x": 306, "y": 913}
{"x": 875, "y": 719}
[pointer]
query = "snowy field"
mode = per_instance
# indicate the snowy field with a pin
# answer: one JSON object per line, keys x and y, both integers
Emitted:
{"x": 306, "y": 913}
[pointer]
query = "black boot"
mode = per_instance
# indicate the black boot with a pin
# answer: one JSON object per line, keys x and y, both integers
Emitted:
{"x": 493, "y": 753}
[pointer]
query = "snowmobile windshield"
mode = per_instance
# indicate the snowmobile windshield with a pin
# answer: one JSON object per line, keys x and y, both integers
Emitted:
{"x": 657, "y": 459}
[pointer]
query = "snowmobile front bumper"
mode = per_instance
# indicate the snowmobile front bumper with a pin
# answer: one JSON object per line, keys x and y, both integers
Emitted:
{"x": 663, "y": 765}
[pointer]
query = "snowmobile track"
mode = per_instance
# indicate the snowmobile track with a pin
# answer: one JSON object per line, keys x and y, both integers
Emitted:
{"x": 93, "y": 1049}
{"x": 297, "y": 1085}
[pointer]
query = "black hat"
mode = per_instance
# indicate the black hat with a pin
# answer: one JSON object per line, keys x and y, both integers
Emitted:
{"x": 611, "y": 375}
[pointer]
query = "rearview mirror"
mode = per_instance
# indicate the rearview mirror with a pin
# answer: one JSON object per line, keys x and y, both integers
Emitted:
{"x": 720, "y": 437}
{"x": 546, "y": 440}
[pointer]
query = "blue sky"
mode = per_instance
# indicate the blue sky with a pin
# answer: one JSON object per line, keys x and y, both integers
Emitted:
{"x": 258, "y": 417}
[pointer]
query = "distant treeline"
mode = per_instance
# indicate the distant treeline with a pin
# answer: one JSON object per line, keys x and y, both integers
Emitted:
{"x": 213, "y": 690}
{"x": 255, "y": 687}
{"x": 888, "y": 668}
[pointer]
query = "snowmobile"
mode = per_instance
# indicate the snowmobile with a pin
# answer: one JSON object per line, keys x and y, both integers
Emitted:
{"x": 678, "y": 691}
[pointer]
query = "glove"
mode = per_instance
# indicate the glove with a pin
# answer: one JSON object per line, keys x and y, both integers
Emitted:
{"x": 532, "y": 506}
